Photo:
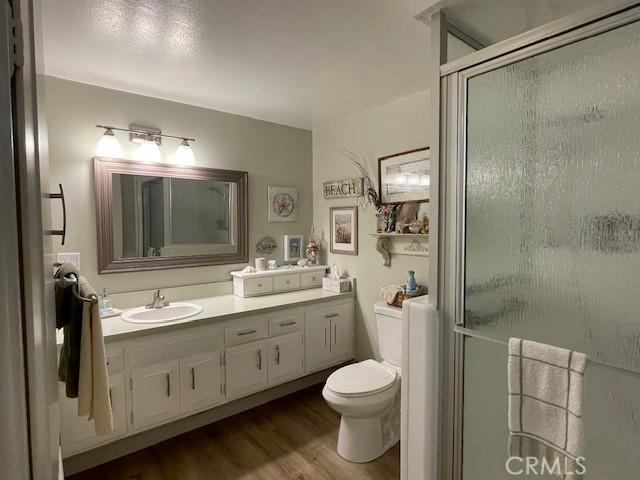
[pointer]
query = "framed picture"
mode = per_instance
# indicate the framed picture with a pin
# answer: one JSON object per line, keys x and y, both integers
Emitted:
{"x": 283, "y": 204}
{"x": 344, "y": 230}
{"x": 293, "y": 247}
{"x": 405, "y": 177}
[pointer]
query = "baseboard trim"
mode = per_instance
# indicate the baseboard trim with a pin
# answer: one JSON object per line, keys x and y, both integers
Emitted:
{"x": 124, "y": 446}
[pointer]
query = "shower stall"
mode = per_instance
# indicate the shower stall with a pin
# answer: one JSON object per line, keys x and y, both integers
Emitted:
{"x": 540, "y": 233}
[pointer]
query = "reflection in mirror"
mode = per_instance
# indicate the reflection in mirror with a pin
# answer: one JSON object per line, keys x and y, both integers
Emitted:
{"x": 153, "y": 216}
{"x": 163, "y": 217}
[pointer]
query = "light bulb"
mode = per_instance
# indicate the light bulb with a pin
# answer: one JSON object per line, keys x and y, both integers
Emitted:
{"x": 148, "y": 151}
{"x": 425, "y": 181}
{"x": 108, "y": 146}
{"x": 414, "y": 179}
{"x": 184, "y": 154}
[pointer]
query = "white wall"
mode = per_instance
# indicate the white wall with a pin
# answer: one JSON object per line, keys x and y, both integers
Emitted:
{"x": 272, "y": 154}
{"x": 391, "y": 128}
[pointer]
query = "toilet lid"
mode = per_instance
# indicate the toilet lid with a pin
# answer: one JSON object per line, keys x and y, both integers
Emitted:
{"x": 361, "y": 379}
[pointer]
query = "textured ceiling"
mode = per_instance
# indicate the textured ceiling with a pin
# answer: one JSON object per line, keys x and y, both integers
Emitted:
{"x": 296, "y": 62}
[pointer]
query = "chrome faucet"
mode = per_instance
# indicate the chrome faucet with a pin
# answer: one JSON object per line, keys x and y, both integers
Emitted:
{"x": 158, "y": 301}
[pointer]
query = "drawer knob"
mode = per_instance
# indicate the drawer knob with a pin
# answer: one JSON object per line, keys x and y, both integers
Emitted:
{"x": 288, "y": 282}
{"x": 331, "y": 315}
{"x": 260, "y": 285}
{"x": 288, "y": 324}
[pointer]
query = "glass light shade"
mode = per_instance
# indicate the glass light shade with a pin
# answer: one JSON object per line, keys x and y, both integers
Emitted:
{"x": 108, "y": 146}
{"x": 414, "y": 179}
{"x": 147, "y": 152}
{"x": 184, "y": 154}
{"x": 425, "y": 181}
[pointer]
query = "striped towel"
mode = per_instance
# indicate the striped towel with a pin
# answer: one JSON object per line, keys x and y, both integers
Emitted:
{"x": 545, "y": 404}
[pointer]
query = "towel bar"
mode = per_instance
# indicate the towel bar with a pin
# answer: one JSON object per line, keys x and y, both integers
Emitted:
{"x": 73, "y": 282}
{"x": 501, "y": 341}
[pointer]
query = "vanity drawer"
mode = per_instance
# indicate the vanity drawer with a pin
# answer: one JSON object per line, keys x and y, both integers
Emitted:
{"x": 258, "y": 286}
{"x": 158, "y": 348}
{"x": 282, "y": 323}
{"x": 282, "y": 283}
{"x": 311, "y": 279}
{"x": 244, "y": 332}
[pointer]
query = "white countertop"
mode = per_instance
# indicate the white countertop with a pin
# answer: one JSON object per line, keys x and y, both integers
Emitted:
{"x": 216, "y": 309}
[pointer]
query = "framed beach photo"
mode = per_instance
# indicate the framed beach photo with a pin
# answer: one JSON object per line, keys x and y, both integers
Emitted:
{"x": 293, "y": 247}
{"x": 405, "y": 177}
{"x": 344, "y": 230}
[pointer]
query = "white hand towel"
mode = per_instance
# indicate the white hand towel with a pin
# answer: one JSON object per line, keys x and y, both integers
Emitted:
{"x": 545, "y": 404}
{"x": 93, "y": 384}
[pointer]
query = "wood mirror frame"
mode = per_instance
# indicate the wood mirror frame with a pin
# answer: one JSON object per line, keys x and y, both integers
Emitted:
{"x": 105, "y": 167}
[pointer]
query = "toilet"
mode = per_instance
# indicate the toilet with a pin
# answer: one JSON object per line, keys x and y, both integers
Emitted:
{"x": 367, "y": 394}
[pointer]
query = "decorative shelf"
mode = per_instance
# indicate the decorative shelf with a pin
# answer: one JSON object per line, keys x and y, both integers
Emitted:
{"x": 401, "y": 244}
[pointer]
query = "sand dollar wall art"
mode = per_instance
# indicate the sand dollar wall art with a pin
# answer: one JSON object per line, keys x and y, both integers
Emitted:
{"x": 283, "y": 204}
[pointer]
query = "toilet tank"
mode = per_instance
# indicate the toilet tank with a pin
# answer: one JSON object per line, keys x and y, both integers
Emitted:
{"x": 389, "y": 323}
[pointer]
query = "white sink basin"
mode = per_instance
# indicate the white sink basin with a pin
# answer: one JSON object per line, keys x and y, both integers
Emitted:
{"x": 170, "y": 313}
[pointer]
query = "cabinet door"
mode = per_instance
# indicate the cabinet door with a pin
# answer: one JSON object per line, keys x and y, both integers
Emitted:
{"x": 156, "y": 395}
{"x": 286, "y": 357}
{"x": 342, "y": 334}
{"x": 246, "y": 368}
{"x": 200, "y": 381}
{"x": 78, "y": 433}
{"x": 317, "y": 339}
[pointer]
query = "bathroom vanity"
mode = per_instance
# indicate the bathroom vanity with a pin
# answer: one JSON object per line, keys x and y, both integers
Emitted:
{"x": 235, "y": 347}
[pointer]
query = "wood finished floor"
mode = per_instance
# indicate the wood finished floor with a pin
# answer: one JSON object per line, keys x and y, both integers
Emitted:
{"x": 290, "y": 438}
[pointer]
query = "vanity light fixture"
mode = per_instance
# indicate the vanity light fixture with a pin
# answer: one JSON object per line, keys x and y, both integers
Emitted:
{"x": 149, "y": 140}
{"x": 108, "y": 146}
{"x": 184, "y": 154}
{"x": 148, "y": 151}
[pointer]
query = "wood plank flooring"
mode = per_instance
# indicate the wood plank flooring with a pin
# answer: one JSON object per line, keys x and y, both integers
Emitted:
{"x": 290, "y": 438}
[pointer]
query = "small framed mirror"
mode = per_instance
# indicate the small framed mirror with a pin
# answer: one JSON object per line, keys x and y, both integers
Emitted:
{"x": 157, "y": 216}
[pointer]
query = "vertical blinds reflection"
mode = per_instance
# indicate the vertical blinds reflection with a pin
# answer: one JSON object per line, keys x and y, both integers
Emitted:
{"x": 553, "y": 198}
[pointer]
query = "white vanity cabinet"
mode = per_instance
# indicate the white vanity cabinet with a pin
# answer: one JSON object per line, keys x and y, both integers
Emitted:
{"x": 159, "y": 377}
{"x": 286, "y": 358}
{"x": 246, "y": 368}
{"x": 155, "y": 393}
{"x": 328, "y": 335}
{"x": 201, "y": 381}
{"x": 78, "y": 433}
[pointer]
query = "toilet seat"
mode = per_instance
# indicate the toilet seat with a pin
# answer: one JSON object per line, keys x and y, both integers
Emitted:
{"x": 361, "y": 379}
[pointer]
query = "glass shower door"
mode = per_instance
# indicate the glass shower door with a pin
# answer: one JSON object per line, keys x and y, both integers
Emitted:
{"x": 552, "y": 240}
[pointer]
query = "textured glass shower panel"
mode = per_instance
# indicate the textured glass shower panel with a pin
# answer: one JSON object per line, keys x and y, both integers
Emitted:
{"x": 612, "y": 422}
{"x": 553, "y": 198}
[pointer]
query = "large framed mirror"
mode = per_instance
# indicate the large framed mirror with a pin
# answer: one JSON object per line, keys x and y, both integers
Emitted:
{"x": 157, "y": 216}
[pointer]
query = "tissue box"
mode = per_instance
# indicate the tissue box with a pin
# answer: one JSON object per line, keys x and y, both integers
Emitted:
{"x": 339, "y": 285}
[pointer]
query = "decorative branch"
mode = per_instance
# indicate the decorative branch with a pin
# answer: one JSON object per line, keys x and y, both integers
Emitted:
{"x": 370, "y": 193}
